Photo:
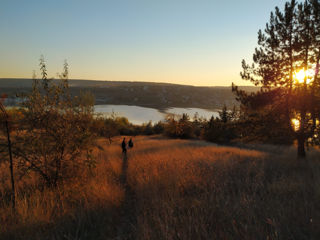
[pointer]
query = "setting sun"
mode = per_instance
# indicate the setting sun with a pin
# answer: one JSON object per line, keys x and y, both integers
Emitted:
{"x": 300, "y": 75}
{"x": 295, "y": 124}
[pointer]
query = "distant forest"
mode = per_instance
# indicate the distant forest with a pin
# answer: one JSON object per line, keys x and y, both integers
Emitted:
{"x": 145, "y": 94}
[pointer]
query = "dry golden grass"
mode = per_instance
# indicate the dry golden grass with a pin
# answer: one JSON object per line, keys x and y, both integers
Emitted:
{"x": 173, "y": 189}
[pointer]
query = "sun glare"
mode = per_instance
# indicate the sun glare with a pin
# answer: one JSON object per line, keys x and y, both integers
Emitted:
{"x": 302, "y": 74}
{"x": 295, "y": 123}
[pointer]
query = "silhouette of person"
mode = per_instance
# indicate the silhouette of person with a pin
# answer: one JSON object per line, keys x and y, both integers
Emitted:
{"x": 124, "y": 146}
{"x": 130, "y": 143}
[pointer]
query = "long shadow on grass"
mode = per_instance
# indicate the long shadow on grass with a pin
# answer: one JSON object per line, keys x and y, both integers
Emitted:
{"x": 127, "y": 225}
{"x": 106, "y": 222}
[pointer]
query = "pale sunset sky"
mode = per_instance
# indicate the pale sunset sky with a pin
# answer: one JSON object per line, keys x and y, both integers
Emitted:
{"x": 194, "y": 42}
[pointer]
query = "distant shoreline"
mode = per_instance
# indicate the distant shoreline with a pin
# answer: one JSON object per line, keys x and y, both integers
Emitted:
{"x": 94, "y": 82}
{"x": 159, "y": 96}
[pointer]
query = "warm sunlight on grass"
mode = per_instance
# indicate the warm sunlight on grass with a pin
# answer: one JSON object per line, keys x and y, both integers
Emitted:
{"x": 179, "y": 189}
{"x": 302, "y": 74}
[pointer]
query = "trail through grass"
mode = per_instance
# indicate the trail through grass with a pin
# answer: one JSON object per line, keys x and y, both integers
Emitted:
{"x": 127, "y": 224}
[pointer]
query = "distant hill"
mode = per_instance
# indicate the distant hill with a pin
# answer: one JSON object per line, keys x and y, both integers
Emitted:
{"x": 146, "y": 94}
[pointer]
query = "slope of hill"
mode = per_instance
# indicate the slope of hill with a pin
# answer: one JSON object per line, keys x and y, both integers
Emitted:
{"x": 146, "y": 94}
{"x": 172, "y": 189}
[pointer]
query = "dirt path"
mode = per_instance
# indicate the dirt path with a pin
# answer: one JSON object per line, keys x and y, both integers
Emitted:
{"x": 127, "y": 225}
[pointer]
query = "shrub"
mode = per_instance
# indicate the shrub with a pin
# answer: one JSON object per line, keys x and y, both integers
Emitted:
{"x": 55, "y": 130}
{"x": 181, "y": 128}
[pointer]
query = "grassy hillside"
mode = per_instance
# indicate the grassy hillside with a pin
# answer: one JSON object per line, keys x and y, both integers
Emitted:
{"x": 156, "y": 95}
{"x": 173, "y": 189}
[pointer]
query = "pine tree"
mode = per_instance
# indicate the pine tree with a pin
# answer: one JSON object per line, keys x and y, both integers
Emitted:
{"x": 288, "y": 44}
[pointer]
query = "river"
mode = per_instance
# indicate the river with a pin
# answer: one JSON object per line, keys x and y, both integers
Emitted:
{"x": 140, "y": 115}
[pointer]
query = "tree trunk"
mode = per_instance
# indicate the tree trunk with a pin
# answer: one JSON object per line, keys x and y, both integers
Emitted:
{"x": 301, "y": 147}
{"x": 13, "y": 195}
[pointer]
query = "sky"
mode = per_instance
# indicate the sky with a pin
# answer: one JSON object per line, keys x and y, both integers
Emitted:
{"x": 193, "y": 42}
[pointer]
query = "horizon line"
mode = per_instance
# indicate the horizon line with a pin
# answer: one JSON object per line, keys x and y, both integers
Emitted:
{"x": 128, "y": 81}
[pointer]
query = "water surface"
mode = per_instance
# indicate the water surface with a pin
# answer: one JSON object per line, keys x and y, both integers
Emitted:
{"x": 140, "y": 115}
